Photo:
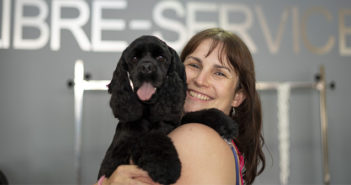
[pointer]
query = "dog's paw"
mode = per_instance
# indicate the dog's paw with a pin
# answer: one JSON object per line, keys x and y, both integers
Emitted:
{"x": 216, "y": 119}
{"x": 156, "y": 154}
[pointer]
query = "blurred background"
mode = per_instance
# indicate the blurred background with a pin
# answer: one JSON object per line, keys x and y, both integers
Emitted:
{"x": 40, "y": 41}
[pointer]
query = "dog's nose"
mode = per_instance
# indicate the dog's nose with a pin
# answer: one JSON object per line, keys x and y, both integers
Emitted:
{"x": 147, "y": 68}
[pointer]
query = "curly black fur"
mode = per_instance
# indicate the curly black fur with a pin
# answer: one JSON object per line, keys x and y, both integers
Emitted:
{"x": 215, "y": 119}
{"x": 141, "y": 134}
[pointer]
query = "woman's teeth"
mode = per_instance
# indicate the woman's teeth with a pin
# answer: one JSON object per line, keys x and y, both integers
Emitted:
{"x": 199, "y": 96}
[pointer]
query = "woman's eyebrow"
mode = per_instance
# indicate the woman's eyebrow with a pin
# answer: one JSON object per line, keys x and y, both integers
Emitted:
{"x": 222, "y": 67}
{"x": 216, "y": 66}
{"x": 195, "y": 58}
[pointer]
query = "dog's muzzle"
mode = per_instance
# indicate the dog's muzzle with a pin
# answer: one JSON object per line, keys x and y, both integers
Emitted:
{"x": 145, "y": 91}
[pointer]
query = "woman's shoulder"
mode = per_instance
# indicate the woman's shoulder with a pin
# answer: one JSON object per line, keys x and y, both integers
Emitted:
{"x": 205, "y": 156}
{"x": 196, "y": 132}
{"x": 199, "y": 137}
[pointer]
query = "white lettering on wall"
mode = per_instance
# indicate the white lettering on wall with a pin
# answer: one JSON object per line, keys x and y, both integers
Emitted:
{"x": 170, "y": 24}
{"x": 193, "y": 8}
{"x": 33, "y": 21}
{"x": 182, "y": 18}
{"x": 99, "y": 24}
{"x": 273, "y": 45}
{"x": 315, "y": 49}
{"x": 240, "y": 28}
{"x": 5, "y": 22}
{"x": 344, "y": 32}
{"x": 73, "y": 25}
{"x": 296, "y": 29}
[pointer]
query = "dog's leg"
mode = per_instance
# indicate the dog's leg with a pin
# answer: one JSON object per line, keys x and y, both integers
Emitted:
{"x": 115, "y": 156}
{"x": 156, "y": 154}
{"x": 216, "y": 119}
{"x": 118, "y": 152}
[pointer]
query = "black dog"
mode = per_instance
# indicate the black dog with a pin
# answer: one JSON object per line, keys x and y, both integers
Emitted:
{"x": 148, "y": 90}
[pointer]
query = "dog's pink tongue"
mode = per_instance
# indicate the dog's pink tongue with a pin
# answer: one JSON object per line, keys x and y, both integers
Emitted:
{"x": 146, "y": 91}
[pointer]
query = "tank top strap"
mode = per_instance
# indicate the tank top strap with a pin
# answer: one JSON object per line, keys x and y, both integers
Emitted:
{"x": 239, "y": 161}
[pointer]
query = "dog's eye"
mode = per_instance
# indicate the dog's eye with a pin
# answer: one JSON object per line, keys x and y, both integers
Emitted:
{"x": 135, "y": 59}
{"x": 161, "y": 59}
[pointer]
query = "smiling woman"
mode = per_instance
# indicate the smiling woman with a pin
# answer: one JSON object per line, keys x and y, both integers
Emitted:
{"x": 220, "y": 73}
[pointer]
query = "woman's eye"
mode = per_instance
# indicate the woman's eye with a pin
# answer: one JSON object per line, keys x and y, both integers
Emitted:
{"x": 194, "y": 65}
{"x": 160, "y": 58}
{"x": 135, "y": 59}
{"x": 220, "y": 74}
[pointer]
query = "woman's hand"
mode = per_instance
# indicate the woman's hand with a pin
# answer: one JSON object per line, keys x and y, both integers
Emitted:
{"x": 128, "y": 175}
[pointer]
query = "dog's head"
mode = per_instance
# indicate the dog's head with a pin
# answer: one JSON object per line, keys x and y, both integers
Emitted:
{"x": 148, "y": 60}
{"x": 144, "y": 67}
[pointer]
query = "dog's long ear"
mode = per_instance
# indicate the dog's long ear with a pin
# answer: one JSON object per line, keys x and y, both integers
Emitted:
{"x": 169, "y": 105}
{"x": 177, "y": 65}
{"x": 179, "y": 68}
{"x": 124, "y": 103}
{"x": 118, "y": 74}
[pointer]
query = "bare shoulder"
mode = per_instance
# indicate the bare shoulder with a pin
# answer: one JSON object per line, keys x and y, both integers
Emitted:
{"x": 206, "y": 158}
{"x": 196, "y": 133}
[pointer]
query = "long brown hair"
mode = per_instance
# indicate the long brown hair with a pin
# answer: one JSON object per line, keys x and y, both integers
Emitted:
{"x": 248, "y": 115}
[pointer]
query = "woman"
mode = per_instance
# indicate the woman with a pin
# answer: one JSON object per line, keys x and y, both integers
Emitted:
{"x": 220, "y": 74}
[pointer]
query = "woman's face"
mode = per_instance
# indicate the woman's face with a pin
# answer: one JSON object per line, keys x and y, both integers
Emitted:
{"x": 211, "y": 84}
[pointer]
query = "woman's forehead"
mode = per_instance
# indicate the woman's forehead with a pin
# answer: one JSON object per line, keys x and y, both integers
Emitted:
{"x": 201, "y": 55}
{"x": 210, "y": 46}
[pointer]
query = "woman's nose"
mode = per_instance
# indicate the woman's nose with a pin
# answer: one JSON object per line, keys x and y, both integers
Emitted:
{"x": 202, "y": 78}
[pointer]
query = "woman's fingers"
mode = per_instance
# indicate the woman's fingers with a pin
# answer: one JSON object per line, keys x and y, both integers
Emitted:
{"x": 130, "y": 170}
{"x": 128, "y": 175}
{"x": 123, "y": 181}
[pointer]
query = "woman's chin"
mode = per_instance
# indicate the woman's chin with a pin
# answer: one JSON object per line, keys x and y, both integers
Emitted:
{"x": 192, "y": 108}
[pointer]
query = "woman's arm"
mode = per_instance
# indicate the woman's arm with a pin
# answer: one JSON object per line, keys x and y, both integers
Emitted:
{"x": 127, "y": 175}
{"x": 206, "y": 158}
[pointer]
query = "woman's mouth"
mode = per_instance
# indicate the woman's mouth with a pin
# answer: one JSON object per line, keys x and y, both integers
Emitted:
{"x": 199, "y": 95}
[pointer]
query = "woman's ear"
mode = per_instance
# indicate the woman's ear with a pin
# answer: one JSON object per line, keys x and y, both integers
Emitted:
{"x": 239, "y": 97}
